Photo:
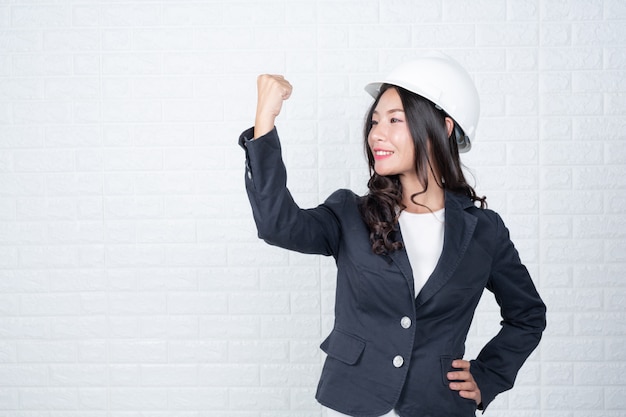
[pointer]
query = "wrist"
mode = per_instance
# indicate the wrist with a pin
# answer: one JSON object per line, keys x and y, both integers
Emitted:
{"x": 263, "y": 124}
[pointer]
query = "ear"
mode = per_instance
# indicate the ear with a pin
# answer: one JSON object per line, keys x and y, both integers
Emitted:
{"x": 449, "y": 125}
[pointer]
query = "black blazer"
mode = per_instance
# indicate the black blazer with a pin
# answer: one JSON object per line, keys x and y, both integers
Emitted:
{"x": 389, "y": 347}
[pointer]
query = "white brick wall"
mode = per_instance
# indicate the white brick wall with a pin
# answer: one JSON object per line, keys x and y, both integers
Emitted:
{"x": 131, "y": 279}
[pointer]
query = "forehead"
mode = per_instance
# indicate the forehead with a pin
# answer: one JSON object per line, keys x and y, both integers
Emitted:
{"x": 390, "y": 100}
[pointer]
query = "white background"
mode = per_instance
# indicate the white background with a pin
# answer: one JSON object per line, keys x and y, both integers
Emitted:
{"x": 131, "y": 279}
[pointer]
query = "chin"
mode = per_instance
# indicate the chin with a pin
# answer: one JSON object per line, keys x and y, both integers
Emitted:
{"x": 384, "y": 172}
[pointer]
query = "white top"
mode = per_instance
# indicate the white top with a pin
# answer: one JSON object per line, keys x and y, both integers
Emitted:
{"x": 422, "y": 235}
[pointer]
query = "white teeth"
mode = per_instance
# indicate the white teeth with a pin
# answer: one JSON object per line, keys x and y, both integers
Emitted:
{"x": 381, "y": 153}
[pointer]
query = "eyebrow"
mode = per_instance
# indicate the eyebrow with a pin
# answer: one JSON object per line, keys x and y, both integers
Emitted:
{"x": 390, "y": 111}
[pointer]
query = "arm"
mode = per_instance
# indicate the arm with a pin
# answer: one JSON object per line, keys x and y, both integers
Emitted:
{"x": 523, "y": 321}
{"x": 278, "y": 218}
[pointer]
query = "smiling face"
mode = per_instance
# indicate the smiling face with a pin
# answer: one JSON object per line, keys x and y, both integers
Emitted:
{"x": 389, "y": 139}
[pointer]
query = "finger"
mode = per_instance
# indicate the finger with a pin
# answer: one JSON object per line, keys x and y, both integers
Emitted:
{"x": 460, "y": 376}
{"x": 277, "y": 83}
{"x": 286, "y": 93}
{"x": 471, "y": 395}
{"x": 462, "y": 386}
{"x": 284, "y": 86}
{"x": 461, "y": 363}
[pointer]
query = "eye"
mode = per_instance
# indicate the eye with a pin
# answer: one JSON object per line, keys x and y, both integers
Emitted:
{"x": 395, "y": 120}
{"x": 373, "y": 122}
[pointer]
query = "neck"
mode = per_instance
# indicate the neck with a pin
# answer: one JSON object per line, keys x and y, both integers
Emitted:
{"x": 431, "y": 200}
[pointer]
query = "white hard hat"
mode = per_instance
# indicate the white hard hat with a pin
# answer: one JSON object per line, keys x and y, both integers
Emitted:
{"x": 443, "y": 81}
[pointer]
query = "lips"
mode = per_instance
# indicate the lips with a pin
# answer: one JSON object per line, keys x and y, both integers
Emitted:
{"x": 381, "y": 153}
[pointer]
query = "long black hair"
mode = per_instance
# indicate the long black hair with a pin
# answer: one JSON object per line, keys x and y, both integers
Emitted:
{"x": 381, "y": 206}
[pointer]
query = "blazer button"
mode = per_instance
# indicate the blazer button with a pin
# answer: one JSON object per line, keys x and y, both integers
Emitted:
{"x": 405, "y": 322}
{"x": 398, "y": 361}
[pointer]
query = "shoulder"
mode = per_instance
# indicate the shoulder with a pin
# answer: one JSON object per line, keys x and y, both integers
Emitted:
{"x": 342, "y": 197}
{"x": 487, "y": 216}
{"x": 344, "y": 204}
{"x": 489, "y": 225}
{"x": 465, "y": 203}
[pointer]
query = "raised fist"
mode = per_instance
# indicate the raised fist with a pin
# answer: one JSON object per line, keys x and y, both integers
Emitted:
{"x": 272, "y": 90}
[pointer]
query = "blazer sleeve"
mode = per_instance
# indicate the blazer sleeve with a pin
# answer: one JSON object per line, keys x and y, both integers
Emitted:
{"x": 523, "y": 320}
{"x": 279, "y": 220}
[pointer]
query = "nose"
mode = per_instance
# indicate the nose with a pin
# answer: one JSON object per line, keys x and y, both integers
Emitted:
{"x": 376, "y": 133}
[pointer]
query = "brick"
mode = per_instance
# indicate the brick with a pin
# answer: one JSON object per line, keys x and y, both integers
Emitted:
{"x": 21, "y": 89}
{"x": 48, "y": 398}
{"x": 187, "y": 15}
{"x": 277, "y": 375}
{"x": 86, "y": 64}
{"x": 568, "y": 59}
{"x": 50, "y": 351}
{"x": 92, "y": 351}
{"x": 259, "y": 303}
{"x": 558, "y": 373}
{"x": 230, "y": 327}
{"x": 231, "y": 375}
{"x": 580, "y": 398}
{"x": 176, "y": 327}
{"x": 347, "y": 61}
{"x": 295, "y": 326}
{"x": 9, "y": 398}
{"x": 259, "y": 398}
{"x": 131, "y": 15}
{"x": 41, "y": 112}
{"x": 21, "y": 40}
{"x": 523, "y": 10}
{"x": 191, "y": 303}
{"x": 562, "y": 324}
{"x": 138, "y": 351}
{"x": 131, "y": 63}
{"x": 72, "y": 327}
{"x": 92, "y": 398}
{"x": 596, "y": 33}
{"x": 198, "y": 398}
{"x": 558, "y": 153}
{"x": 168, "y": 375}
{"x": 524, "y": 59}
{"x": 566, "y": 251}
{"x": 265, "y": 352}
{"x": 198, "y": 352}
{"x": 602, "y": 324}
{"x": 577, "y": 349}
{"x": 86, "y": 15}
{"x": 23, "y": 375}
{"x": 518, "y": 34}
{"x": 442, "y": 36}
{"x": 67, "y": 375}
{"x": 572, "y": 10}
{"x": 117, "y": 40}
{"x": 143, "y": 398}
{"x": 347, "y": 11}
{"x": 556, "y": 178}
{"x": 379, "y": 36}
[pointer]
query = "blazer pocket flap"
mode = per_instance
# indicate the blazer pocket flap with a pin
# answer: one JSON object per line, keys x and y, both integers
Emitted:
{"x": 343, "y": 346}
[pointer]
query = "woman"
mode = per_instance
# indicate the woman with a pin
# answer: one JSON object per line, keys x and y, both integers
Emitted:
{"x": 413, "y": 255}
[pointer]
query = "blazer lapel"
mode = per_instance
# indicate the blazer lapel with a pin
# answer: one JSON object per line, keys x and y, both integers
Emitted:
{"x": 401, "y": 259}
{"x": 459, "y": 228}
